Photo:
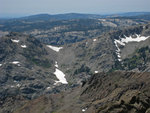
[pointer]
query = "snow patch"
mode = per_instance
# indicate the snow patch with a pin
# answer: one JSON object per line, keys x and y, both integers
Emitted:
{"x": 83, "y": 110}
{"x": 18, "y": 85}
{"x": 119, "y": 59}
{"x": 56, "y": 64}
{"x": 48, "y": 88}
{"x": 15, "y": 41}
{"x": 124, "y": 41}
{"x": 61, "y": 76}
{"x": 57, "y": 49}
{"x": 94, "y": 40}
{"x": 12, "y": 86}
{"x": 0, "y": 65}
{"x": 15, "y": 62}
{"x": 23, "y": 46}
{"x": 96, "y": 71}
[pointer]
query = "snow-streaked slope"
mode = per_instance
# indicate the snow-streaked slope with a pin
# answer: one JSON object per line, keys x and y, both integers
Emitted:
{"x": 118, "y": 50}
{"x": 61, "y": 76}
{"x": 124, "y": 41}
{"x": 57, "y": 49}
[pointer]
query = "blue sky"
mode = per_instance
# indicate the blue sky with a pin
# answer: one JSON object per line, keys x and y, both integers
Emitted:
{"x": 29, "y": 7}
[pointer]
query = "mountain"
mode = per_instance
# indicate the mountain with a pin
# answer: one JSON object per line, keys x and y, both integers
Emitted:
{"x": 67, "y": 16}
{"x": 37, "y": 62}
{"x": 60, "y": 32}
{"x": 145, "y": 17}
{"x": 128, "y": 14}
{"x": 75, "y": 66}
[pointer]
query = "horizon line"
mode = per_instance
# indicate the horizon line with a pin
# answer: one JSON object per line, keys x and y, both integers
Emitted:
{"x": 9, "y": 16}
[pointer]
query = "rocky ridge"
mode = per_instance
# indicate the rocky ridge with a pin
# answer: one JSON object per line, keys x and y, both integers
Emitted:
{"x": 125, "y": 92}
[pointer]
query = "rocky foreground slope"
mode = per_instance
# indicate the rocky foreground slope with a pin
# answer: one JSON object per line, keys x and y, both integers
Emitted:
{"x": 117, "y": 92}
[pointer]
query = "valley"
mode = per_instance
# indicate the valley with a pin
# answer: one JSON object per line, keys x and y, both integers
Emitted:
{"x": 75, "y": 64}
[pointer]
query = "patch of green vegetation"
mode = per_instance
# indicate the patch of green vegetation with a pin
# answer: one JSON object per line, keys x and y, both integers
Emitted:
{"x": 116, "y": 66}
{"x": 36, "y": 55}
{"x": 69, "y": 71}
{"x": 138, "y": 60}
{"x": 133, "y": 62}
{"x": 83, "y": 68}
{"x": 70, "y": 83}
{"x": 141, "y": 57}
{"x": 43, "y": 63}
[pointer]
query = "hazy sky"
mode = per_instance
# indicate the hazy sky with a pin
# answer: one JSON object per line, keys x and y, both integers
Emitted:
{"x": 28, "y": 7}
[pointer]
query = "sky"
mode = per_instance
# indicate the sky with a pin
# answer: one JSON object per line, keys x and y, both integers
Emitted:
{"x": 14, "y": 8}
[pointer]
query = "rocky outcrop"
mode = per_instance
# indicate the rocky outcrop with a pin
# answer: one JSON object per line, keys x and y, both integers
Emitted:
{"x": 117, "y": 92}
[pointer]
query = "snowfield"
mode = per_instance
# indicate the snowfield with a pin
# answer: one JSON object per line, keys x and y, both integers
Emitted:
{"x": 61, "y": 76}
{"x": 124, "y": 41}
{"x": 57, "y": 49}
{"x": 138, "y": 38}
